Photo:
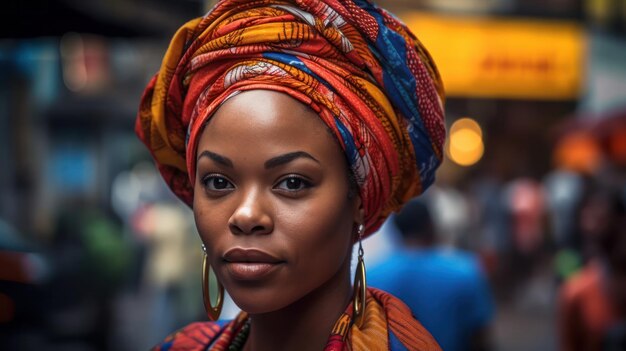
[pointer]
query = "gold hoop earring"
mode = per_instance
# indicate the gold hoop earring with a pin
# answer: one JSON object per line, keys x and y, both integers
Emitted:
{"x": 359, "y": 287}
{"x": 213, "y": 312}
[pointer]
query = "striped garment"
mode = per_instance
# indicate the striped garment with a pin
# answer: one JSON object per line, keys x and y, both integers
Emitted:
{"x": 388, "y": 326}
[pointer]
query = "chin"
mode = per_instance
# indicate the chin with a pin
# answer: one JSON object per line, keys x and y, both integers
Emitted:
{"x": 255, "y": 300}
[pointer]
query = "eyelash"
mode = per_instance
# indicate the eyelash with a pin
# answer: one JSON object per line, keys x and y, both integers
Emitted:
{"x": 206, "y": 182}
{"x": 229, "y": 186}
{"x": 306, "y": 184}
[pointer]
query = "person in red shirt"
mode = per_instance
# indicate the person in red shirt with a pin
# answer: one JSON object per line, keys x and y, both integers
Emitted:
{"x": 592, "y": 305}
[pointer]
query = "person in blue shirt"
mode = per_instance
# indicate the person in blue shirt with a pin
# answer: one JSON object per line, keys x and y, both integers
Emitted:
{"x": 445, "y": 288}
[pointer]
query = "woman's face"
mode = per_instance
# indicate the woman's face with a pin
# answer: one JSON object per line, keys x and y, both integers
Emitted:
{"x": 271, "y": 201}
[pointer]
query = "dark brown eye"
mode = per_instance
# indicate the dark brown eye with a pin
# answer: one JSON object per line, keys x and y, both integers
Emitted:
{"x": 217, "y": 183}
{"x": 293, "y": 183}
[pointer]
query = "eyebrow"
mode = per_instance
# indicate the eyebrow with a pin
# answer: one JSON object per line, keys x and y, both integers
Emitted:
{"x": 271, "y": 163}
{"x": 286, "y": 158}
{"x": 224, "y": 161}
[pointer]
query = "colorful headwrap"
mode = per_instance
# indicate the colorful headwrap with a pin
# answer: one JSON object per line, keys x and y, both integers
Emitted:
{"x": 364, "y": 73}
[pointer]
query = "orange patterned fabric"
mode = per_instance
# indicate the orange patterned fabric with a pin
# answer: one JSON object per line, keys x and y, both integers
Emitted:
{"x": 365, "y": 74}
{"x": 388, "y": 326}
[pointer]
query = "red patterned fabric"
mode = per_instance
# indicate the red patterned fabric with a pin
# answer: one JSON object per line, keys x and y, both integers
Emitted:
{"x": 385, "y": 315}
{"x": 365, "y": 74}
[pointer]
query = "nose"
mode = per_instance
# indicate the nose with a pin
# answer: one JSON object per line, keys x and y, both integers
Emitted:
{"x": 252, "y": 215}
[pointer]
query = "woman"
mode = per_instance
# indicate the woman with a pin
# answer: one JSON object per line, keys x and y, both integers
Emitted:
{"x": 293, "y": 129}
{"x": 592, "y": 303}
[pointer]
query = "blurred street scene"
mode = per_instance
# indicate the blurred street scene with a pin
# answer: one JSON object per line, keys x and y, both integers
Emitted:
{"x": 97, "y": 254}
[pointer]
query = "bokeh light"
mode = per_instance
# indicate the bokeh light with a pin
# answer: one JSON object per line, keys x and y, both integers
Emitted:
{"x": 465, "y": 146}
{"x": 578, "y": 151}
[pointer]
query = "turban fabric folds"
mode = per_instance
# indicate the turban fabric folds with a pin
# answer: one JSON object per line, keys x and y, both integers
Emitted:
{"x": 358, "y": 67}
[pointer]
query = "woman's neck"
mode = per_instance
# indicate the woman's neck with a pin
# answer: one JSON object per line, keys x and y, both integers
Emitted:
{"x": 304, "y": 325}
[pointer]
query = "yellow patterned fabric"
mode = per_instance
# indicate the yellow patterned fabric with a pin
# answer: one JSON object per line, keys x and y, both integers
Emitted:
{"x": 373, "y": 334}
{"x": 388, "y": 326}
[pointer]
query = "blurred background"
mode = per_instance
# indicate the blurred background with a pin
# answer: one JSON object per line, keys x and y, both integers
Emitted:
{"x": 97, "y": 254}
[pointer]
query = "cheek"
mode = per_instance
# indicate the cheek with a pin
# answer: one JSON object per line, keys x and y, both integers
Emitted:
{"x": 322, "y": 225}
{"x": 210, "y": 222}
{"x": 203, "y": 222}
{"x": 320, "y": 230}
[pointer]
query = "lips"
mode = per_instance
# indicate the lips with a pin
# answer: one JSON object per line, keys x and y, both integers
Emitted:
{"x": 250, "y": 264}
{"x": 250, "y": 256}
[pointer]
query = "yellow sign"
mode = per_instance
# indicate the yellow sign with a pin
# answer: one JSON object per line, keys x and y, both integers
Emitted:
{"x": 504, "y": 58}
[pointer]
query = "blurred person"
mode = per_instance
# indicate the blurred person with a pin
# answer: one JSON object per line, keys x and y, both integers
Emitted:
{"x": 293, "y": 129}
{"x": 592, "y": 304}
{"x": 528, "y": 269}
{"x": 444, "y": 287}
{"x": 490, "y": 218}
{"x": 526, "y": 202}
{"x": 564, "y": 190}
{"x": 23, "y": 270}
{"x": 451, "y": 215}
{"x": 165, "y": 228}
{"x": 90, "y": 261}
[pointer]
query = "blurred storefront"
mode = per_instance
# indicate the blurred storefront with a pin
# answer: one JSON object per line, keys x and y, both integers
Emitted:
{"x": 517, "y": 77}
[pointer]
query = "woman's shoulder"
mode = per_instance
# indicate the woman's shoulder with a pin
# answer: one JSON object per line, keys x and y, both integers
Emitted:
{"x": 194, "y": 336}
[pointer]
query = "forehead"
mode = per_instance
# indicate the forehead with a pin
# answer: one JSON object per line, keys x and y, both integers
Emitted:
{"x": 261, "y": 122}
